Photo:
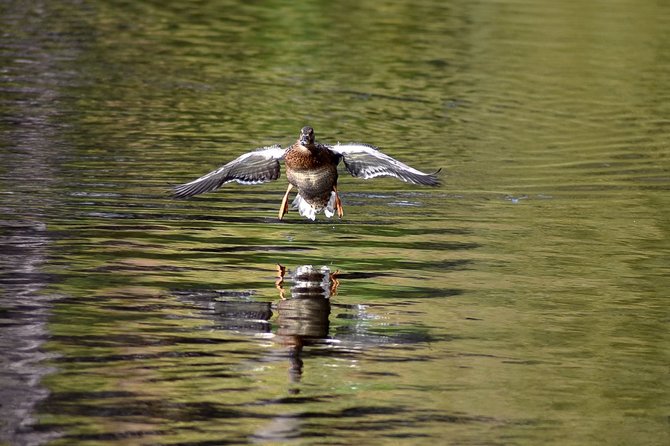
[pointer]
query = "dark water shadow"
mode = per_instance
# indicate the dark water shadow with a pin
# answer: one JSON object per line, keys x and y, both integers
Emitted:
{"x": 25, "y": 309}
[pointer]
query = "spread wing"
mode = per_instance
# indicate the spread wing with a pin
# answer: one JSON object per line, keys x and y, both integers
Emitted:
{"x": 364, "y": 161}
{"x": 259, "y": 166}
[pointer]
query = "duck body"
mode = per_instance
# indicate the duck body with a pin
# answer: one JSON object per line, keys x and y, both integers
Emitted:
{"x": 311, "y": 168}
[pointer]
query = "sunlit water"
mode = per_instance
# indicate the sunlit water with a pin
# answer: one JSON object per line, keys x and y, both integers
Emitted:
{"x": 522, "y": 302}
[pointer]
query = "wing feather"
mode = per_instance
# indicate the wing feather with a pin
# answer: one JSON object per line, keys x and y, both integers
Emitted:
{"x": 365, "y": 161}
{"x": 258, "y": 166}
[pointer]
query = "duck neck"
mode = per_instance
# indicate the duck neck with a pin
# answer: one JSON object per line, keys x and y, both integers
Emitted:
{"x": 310, "y": 148}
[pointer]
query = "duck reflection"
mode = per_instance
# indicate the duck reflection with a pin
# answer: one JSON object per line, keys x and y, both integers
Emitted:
{"x": 299, "y": 318}
{"x": 304, "y": 318}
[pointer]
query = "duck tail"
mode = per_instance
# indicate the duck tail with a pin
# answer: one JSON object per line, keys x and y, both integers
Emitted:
{"x": 309, "y": 210}
{"x": 306, "y": 210}
{"x": 329, "y": 210}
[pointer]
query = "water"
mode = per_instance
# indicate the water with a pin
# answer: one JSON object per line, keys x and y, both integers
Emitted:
{"x": 523, "y": 302}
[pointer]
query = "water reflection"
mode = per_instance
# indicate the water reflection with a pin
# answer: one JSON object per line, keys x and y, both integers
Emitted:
{"x": 301, "y": 316}
{"x": 32, "y": 148}
{"x": 24, "y": 313}
{"x": 303, "y": 319}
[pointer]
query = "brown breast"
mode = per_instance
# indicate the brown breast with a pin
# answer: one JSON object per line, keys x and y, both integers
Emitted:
{"x": 299, "y": 157}
{"x": 313, "y": 171}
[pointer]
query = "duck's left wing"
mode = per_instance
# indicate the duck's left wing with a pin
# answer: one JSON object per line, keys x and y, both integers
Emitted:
{"x": 365, "y": 161}
{"x": 259, "y": 166}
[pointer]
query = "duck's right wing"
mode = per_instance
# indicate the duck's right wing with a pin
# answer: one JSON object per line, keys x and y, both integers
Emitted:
{"x": 259, "y": 166}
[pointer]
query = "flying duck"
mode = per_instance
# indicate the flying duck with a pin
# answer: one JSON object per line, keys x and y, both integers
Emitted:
{"x": 311, "y": 167}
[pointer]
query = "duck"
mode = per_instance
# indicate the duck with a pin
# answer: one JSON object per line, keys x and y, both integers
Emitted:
{"x": 311, "y": 168}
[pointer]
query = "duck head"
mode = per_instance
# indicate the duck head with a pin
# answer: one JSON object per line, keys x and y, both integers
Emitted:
{"x": 306, "y": 136}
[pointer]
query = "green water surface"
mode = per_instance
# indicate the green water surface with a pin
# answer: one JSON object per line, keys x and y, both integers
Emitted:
{"x": 522, "y": 302}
